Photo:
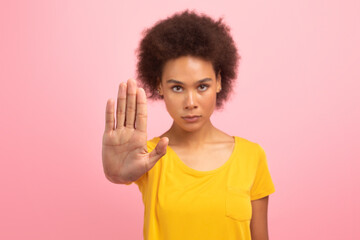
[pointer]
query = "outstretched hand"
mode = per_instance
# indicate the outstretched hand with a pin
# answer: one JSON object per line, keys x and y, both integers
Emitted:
{"x": 124, "y": 147}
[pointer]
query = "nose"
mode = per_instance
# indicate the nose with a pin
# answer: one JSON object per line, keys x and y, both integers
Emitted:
{"x": 190, "y": 101}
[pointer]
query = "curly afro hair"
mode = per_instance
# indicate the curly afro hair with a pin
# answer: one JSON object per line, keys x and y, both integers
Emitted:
{"x": 187, "y": 33}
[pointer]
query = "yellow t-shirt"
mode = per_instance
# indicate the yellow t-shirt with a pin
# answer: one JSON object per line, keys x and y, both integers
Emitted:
{"x": 184, "y": 203}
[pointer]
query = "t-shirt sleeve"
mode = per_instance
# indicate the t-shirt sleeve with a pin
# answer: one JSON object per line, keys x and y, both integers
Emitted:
{"x": 140, "y": 181}
{"x": 263, "y": 184}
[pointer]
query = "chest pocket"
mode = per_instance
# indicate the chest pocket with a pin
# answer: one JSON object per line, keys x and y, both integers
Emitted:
{"x": 238, "y": 203}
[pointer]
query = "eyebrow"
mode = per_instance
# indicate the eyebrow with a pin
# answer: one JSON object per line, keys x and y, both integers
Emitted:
{"x": 179, "y": 82}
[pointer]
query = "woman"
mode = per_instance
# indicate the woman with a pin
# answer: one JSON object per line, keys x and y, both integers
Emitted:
{"x": 197, "y": 181}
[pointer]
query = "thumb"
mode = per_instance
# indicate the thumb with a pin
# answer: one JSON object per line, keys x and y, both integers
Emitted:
{"x": 159, "y": 151}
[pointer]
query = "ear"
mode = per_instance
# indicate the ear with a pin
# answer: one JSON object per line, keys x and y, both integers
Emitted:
{"x": 159, "y": 86}
{"x": 218, "y": 82}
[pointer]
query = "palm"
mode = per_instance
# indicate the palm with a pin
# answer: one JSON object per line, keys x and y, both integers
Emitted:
{"x": 124, "y": 150}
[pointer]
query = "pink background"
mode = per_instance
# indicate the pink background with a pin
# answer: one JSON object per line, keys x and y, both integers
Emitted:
{"x": 296, "y": 95}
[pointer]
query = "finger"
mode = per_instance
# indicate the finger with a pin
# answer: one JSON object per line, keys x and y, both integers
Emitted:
{"x": 141, "y": 111}
{"x": 121, "y": 105}
{"x": 109, "y": 116}
{"x": 158, "y": 151}
{"x": 130, "y": 103}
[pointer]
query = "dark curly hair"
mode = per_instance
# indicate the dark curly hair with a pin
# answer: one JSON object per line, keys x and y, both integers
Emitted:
{"x": 187, "y": 33}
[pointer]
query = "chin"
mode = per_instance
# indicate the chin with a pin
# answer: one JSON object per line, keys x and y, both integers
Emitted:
{"x": 189, "y": 130}
{"x": 190, "y": 127}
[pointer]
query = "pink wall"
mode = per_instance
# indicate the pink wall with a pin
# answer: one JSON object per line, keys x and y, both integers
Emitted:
{"x": 297, "y": 95}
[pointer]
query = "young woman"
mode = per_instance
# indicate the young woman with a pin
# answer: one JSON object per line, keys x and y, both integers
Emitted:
{"x": 197, "y": 181}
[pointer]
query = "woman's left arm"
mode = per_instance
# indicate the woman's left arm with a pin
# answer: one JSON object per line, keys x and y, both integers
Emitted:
{"x": 258, "y": 223}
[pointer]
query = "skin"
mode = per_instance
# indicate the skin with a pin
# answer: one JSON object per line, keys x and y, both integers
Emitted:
{"x": 185, "y": 95}
{"x": 188, "y": 96}
{"x": 258, "y": 223}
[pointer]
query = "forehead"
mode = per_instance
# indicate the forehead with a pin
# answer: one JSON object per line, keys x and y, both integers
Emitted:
{"x": 187, "y": 68}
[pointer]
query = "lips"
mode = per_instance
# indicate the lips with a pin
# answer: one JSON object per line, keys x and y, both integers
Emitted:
{"x": 191, "y": 118}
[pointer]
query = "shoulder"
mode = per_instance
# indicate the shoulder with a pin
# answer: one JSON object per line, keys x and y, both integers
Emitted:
{"x": 252, "y": 151}
{"x": 247, "y": 144}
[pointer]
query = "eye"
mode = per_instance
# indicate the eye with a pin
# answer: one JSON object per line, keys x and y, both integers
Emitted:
{"x": 204, "y": 87}
{"x": 176, "y": 87}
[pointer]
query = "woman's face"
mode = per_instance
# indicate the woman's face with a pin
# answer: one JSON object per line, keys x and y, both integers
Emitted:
{"x": 189, "y": 87}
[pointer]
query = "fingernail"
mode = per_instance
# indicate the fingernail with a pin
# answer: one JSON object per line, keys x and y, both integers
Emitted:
{"x": 122, "y": 88}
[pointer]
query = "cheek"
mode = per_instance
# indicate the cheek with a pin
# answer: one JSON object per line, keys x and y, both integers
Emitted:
{"x": 209, "y": 99}
{"x": 209, "y": 103}
{"x": 172, "y": 105}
